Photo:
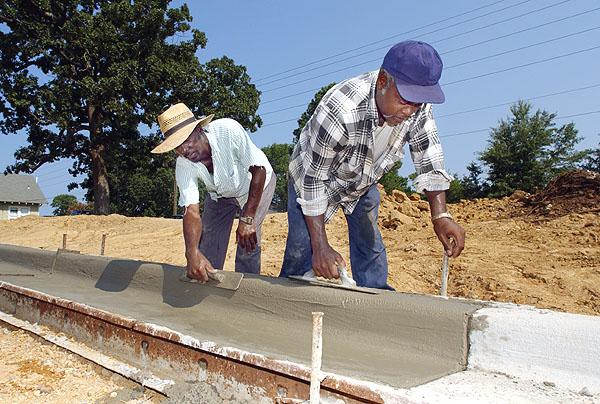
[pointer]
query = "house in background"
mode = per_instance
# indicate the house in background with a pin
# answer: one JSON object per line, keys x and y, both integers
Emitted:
{"x": 20, "y": 196}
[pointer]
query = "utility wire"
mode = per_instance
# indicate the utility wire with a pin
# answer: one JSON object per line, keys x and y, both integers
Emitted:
{"x": 523, "y": 65}
{"x": 433, "y": 42}
{"x": 391, "y": 37}
{"x": 479, "y": 59}
{"x": 444, "y": 53}
{"x": 486, "y": 130}
{"x": 482, "y": 108}
{"x": 424, "y": 34}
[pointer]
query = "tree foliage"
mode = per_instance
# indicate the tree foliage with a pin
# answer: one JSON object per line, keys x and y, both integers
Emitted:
{"x": 61, "y": 204}
{"x": 391, "y": 180}
{"x": 312, "y": 106}
{"x": 591, "y": 161}
{"x": 279, "y": 157}
{"x": 81, "y": 77}
{"x": 526, "y": 150}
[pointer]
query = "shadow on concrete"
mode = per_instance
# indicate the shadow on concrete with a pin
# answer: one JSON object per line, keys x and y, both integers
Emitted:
{"x": 118, "y": 275}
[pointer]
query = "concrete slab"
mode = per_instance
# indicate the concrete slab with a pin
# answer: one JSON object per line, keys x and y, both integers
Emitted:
{"x": 392, "y": 339}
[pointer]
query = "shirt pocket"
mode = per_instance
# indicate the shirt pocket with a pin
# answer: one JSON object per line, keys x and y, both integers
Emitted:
{"x": 350, "y": 170}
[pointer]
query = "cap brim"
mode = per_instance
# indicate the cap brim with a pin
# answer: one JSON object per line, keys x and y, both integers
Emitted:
{"x": 180, "y": 136}
{"x": 421, "y": 94}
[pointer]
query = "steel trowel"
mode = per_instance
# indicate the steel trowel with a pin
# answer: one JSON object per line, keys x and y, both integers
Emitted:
{"x": 346, "y": 281}
{"x": 220, "y": 279}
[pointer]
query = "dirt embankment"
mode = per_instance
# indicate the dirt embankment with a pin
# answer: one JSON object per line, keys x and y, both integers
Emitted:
{"x": 541, "y": 250}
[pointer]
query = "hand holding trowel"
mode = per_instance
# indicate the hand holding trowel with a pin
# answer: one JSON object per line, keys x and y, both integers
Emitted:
{"x": 346, "y": 281}
{"x": 200, "y": 268}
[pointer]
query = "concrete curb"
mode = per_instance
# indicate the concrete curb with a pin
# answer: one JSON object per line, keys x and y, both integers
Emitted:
{"x": 544, "y": 346}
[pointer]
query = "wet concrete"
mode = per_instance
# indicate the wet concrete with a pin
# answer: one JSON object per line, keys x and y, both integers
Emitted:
{"x": 395, "y": 339}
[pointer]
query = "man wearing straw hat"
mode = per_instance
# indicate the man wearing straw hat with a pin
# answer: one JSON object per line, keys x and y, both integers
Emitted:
{"x": 239, "y": 180}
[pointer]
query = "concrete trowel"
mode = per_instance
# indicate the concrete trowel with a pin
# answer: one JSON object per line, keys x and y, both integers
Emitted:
{"x": 346, "y": 281}
{"x": 220, "y": 279}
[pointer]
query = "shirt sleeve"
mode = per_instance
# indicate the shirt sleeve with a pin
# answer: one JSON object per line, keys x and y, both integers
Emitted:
{"x": 427, "y": 155}
{"x": 187, "y": 182}
{"x": 245, "y": 151}
{"x": 327, "y": 134}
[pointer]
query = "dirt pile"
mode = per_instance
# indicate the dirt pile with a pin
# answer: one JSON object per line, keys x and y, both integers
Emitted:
{"x": 575, "y": 191}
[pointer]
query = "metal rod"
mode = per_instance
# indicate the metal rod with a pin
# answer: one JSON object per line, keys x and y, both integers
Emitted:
{"x": 317, "y": 351}
{"x": 103, "y": 243}
{"x": 64, "y": 240}
{"x": 444, "y": 275}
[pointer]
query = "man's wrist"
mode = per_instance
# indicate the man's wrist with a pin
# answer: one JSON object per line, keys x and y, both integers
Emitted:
{"x": 441, "y": 215}
{"x": 247, "y": 219}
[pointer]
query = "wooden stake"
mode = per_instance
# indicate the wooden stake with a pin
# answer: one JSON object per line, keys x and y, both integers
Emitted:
{"x": 64, "y": 240}
{"x": 103, "y": 243}
{"x": 317, "y": 351}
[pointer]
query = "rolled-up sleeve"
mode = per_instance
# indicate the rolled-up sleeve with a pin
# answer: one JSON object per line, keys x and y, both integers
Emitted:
{"x": 427, "y": 155}
{"x": 187, "y": 182}
{"x": 327, "y": 131}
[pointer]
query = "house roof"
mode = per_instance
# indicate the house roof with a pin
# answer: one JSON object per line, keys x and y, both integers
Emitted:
{"x": 17, "y": 188}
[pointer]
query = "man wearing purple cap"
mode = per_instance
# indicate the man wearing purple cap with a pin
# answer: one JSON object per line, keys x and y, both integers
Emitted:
{"x": 356, "y": 134}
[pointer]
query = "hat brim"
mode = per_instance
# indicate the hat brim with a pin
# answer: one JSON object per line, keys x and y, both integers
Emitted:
{"x": 180, "y": 136}
{"x": 420, "y": 94}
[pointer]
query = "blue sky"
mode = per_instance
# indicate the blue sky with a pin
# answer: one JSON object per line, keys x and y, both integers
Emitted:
{"x": 494, "y": 53}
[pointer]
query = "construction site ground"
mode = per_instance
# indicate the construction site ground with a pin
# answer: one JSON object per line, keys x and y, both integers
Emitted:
{"x": 541, "y": 250}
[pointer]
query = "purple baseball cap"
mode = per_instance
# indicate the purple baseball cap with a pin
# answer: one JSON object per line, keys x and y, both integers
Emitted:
{"x": 416, "y": 68}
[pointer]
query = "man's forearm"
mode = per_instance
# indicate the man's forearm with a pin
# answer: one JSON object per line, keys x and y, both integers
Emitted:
{"x": 316, "y": 229}
{"x": 192, "y": 229}
{"x": 437, "y": 201}
{"x": 257, "y": 184}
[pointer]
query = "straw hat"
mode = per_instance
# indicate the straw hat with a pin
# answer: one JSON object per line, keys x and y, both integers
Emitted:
{"x": 177, "y": 123}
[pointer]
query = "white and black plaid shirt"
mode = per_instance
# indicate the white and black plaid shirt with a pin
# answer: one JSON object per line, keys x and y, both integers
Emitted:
{"x": 332, "y": 163}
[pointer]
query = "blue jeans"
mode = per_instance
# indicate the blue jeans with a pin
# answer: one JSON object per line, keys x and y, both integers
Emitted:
{"x": 367, "y": 252}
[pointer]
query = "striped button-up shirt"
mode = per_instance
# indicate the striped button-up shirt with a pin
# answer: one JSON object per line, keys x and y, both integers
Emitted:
{"x": 233, "y": 153}
{"x": 332, "y": 163}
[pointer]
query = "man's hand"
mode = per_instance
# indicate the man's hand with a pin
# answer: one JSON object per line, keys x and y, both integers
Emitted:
{"x": 197, "y": 266}
{"x": 325, "y": 260}
{"x": 246, "y": 236}
{"x": 446, "y": 229}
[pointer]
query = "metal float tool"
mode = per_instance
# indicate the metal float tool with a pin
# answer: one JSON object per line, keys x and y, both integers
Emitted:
{"x": 346, "y": 281}
{"x": 220, "y": 279}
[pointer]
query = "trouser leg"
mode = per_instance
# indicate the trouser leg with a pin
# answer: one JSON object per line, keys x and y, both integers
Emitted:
{"x": 297, "y": 258}
{"x": 250, "y": 262}
{"x": 367, "y": 251}
{"x": 217, "y": 219}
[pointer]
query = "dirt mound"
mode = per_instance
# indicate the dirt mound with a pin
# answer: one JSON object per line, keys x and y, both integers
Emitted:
{"x": 576, "y": 191}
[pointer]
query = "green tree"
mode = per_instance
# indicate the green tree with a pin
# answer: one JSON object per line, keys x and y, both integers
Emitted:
{"x": 61, "y": 204}
{"x": 83, "y": 77}
{"x": 310, "y": 110}
{"x": 591, "y": 161}
{"x": 473, "y": 186}
{"x": 527, "y": 150}
{"x": 391, "y": 180}
{"x": 279, "y": 157}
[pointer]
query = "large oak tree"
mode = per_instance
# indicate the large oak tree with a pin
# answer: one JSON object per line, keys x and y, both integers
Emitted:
{"x": 83, "y": 77}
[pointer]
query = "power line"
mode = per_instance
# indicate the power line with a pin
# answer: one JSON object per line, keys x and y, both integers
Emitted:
{"x": 386, "y": 39}
{"x": 486, "y": 130}
{"x": 523, "y": 65}
{"x": 483, "y": 108}
{"x": 427, "y": 33}
{"x": 479, "y": 59}
{"x": 444, "y": 53}
{"x": 379, "y": 59}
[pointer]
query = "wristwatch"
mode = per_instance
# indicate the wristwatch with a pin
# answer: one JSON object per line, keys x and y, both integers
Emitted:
{"x": 247, "y": 219}
{"x": 441, "y": 215}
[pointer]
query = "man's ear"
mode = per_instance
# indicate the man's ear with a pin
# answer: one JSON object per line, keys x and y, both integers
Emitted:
{"x": 380, "y": 80}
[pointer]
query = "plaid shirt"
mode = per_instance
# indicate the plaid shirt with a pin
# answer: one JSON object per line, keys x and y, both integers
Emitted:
{"x": 332, "y": 163}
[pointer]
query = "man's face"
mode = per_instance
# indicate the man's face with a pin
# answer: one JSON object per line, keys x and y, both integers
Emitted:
{"x": 196, "y": 148}
{"x": 392, "y": 107}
